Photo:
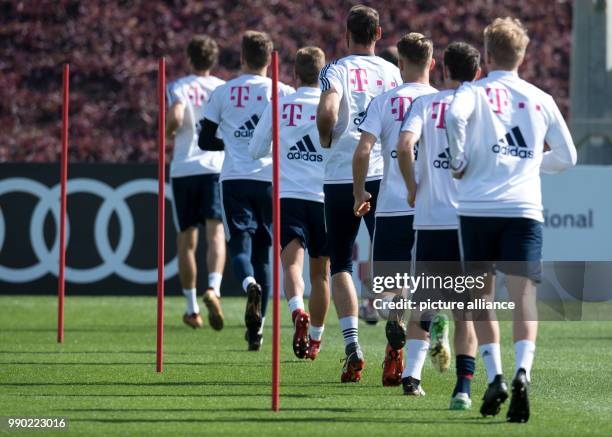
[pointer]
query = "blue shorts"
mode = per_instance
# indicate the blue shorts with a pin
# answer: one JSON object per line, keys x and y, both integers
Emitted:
{"x": 196, "y": 199}
{"x": 342, "y": 225}
{"x": 437, "y": 245}
{"x": 512, "y": 245}
{"x": 304, "y": 220}
{"x": 247, "y": 207}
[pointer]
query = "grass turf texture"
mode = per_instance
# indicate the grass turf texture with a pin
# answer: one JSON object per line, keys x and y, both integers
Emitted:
{"x": 103, "y": 377}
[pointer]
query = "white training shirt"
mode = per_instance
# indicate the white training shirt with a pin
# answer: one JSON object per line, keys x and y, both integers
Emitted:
{"x": 383, "y": 119}
{"x": 497, "y": 128}
{"x": 188, "y": 159}
{"x": 436, "y": 198}
{"x": 302, "y": 160}
{"x": 357, "y": 79}
{"x": 236, "y": 107}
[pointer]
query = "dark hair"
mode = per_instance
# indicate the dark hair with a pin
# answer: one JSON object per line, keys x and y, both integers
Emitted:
{"x": 461, "y": 60}
{"x": 203, "y": 52}
{"x": 308, "y": 63}
{"x": 362, "y": 22}
{"x": 256, "y": 48}
{"x": 416, "y": 48}
{"x": 389, "y": 54}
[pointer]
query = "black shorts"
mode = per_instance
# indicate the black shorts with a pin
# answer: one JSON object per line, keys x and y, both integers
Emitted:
{"x": 247, "y": 207}
{"x": 393, "y": 238}
{"x": 513, "y": 245}
{"x": 304, "y": 220}
{"x": 342, "y": 225}
{"x": 196, "y": 199}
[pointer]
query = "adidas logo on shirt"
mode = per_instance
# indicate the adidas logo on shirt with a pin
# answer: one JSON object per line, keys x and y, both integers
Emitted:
{"x": 305, "y": 150}
{"x": 246, "y": 130}
{"x": 513, "y": 144}
{"x": 443, "y": 160}
{"x": 357, "y": 120}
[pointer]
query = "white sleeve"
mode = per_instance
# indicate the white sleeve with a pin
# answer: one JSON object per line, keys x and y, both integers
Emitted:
{"x": 414, "y": 118}
{"x": 173, "y": 94}
{"x": 456, "y": 121}
{"x": 212, "y": 110}
{"x": 261, "y": 142}
{"x": 372, "y": 122}
{"x": 562, "y": 154}
{"x": 331, "y": 77}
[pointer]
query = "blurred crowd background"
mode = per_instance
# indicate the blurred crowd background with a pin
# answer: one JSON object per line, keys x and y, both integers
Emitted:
{"x": 113, "y": 46}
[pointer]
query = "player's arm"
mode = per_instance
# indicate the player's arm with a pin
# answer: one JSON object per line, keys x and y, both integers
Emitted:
{"x": 561, "y": 153}
{"x": 209, "y": 124}
{"x": 405, "y": 160}
{"x": 456, "y": 121}
{"x": 174, "y": 120}
{"x": 261, "y": 142}
{"x": 361, "y": 162}
{"x": 208, "y": 139}
{"x": 327, "y": 116}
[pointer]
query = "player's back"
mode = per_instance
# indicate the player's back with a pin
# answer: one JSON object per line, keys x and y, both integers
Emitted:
{"x": 504, "y": 145}
{"x": 357, "y": 79}
{"x": 436, "y": 198}
{"x": 194, "y": 93}
{"x": 236, "y": 107}
{"x": 384, "y": 118}
{"x": 302, "y": 158}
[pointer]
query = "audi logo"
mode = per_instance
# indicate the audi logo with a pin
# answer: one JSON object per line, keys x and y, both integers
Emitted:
{"x": 113, "y": 260}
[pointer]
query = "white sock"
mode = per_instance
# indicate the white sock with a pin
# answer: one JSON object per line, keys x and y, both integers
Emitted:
{"x": 316, "y": 332}
{"x": 192, "y": 300}
{"x": 524, "y": 352}
{"x": 349, "y": 329}
{"x": 214, "y": 282}
{"x": 248, "y": 281}
{"x": 491, "y": 355}
{"x": 263, "y": 321}
{"x": 296, "y": 303}
{"x": 416, "y": 354}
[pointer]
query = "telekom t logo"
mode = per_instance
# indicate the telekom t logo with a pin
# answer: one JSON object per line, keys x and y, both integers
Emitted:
{"x": 292, "y": 111}
{"x": 399, "y": 106}
{"x": 239, "y": 94}
{"x": 437, "y": 113}
{"x": 498, "y": 98}
{"x": 196, "y": 95}
{"x": 360, "y": 78}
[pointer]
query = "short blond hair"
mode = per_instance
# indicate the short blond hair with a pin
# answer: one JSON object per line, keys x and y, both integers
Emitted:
{"x": 308, "y": 63}
{"x": 506, "y": 41}
{"x": 415, "y": 48}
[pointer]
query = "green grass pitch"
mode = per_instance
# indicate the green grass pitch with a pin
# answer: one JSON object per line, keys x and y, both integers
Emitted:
{"x": 103, "y": 377}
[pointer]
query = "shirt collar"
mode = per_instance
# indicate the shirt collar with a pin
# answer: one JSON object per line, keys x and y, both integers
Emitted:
{"x": 497, "y": 74}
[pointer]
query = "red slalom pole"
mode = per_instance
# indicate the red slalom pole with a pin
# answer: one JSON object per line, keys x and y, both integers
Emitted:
{"x": 276, "y": 238}
{"x": 161, "y": 205}
{"x": 61, "y": 283}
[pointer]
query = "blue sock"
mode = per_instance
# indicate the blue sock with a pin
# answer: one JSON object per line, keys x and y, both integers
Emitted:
{"x": 240, "y": 252}
{"x": 466, "y": 366}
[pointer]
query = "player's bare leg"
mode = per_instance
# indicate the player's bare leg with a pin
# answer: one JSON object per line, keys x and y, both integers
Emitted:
{"x": 215, "y": 261}
{"x": 292, "y": 259}
{"x": 345, "y": 300}
{"x": 487, "y": 332}
{"x": 525, "y": 330}
{"x": 187, "y": 242}
{"x": 318, "y": 304}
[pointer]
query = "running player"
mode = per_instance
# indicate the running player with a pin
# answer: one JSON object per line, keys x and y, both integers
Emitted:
{"x": 246, "y": 190}
{"x": 195, "y": 182}
{"x": 302, "y": 217}
{"x": 348, "y": 85}
{"x": 497, "y": 128}
{"x": 393, "y": 235}
{"x": 436, "y": 226}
